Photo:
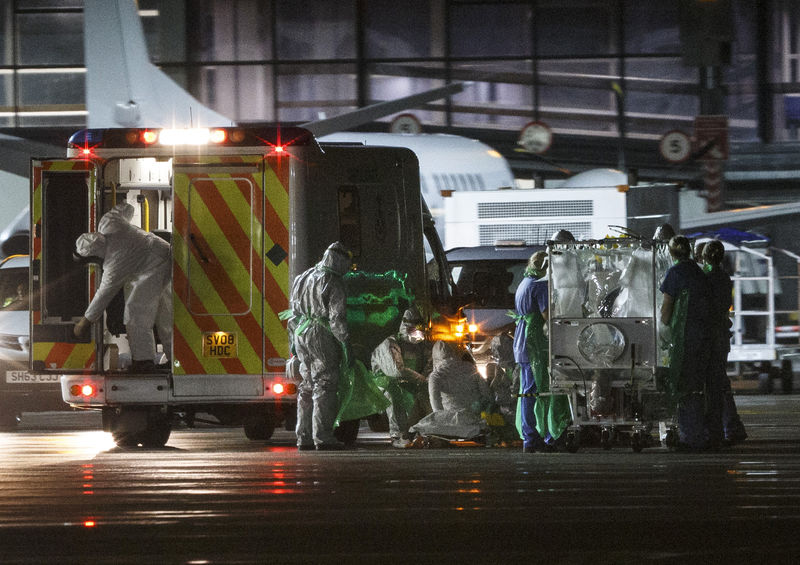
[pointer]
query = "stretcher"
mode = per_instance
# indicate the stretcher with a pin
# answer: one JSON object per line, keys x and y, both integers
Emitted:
{"x": 605, "y": 352}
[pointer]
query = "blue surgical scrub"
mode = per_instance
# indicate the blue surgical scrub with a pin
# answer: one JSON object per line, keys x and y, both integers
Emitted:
{"x": 531, "y": 300}
{"x": 722, "y": 417}
{"x": 696, "y": 340}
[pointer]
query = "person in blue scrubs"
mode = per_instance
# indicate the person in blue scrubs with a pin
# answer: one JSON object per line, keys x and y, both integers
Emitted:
{"x": 687, "y": 310}
{"x": 723, "y": 422}
{"x": 530, "y": 346}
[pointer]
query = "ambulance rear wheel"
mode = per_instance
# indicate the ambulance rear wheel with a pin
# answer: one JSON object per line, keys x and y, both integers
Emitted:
{"x": 132, "y": 426}
{"x": 8, "y": 419}
{"x": 259, "y": 423}
{"x": 573, "y": 442}
{"x": 158, "y": 430}
{"x": 605, "y": 438}
{"x": 347, "y": 432}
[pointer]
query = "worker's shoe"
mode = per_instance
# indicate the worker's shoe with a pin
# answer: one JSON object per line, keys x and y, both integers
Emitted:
{"x": 306, "y": 447}
{"x": 733, "y": 439}
{"x": 401, "y": 442}
{"x": 338, "y": 446}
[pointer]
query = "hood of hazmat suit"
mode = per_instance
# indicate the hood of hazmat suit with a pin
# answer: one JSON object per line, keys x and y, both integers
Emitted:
{"x": 91, "y": 245}
{"x": 411, "y": 327}
{"x": 117, "y": 219}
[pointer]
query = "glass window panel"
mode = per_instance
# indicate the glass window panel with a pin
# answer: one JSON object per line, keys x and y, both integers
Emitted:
{"x": 48, "y": 4}
{"x": 651, "y": 26}
{"x": 490, "y": 30}
{"x": 6, "y": 38}
{"x": 242, "y": 93}
{"x": 578, "y": 28}
{"x": 307, "y": 93}
{"x": 394, "y": 30}
{"x": 578, "y": 110}
{"x": 315, "y": 30}
{"x": 660, "y": 95}
{"x": 740, "y": 76}
{"x": 77, "y": 121}
{"x": 499, "y": 103}
{"x": 51, "y": 91}
{"x": 50, "y": 39}
{"x": 6, "y": 90}
{"x": 231, "y": 31}
{"x": 390, "y": 81}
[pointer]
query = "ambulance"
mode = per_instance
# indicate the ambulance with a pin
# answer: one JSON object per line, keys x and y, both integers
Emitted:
{"x": 245, "y": 210}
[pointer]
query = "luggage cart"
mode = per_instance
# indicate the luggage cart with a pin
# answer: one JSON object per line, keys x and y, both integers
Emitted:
{"x": 605, "y": 352}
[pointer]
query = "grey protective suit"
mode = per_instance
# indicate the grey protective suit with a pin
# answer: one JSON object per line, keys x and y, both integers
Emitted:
{"x": 319, "y": 332}
{"x": 458, "y": 394}
{"x": 406, "y": 361}
{"x": 139, "y": 262}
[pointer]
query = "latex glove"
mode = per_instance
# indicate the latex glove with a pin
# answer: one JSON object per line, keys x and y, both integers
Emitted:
{"x": 546, "y": 329}
{"x": 664, "y": 335}
{"x": 81, "y": 326}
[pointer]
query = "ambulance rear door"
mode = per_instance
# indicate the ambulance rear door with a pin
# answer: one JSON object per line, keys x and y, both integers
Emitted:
{"x": 62, "y": 208}
{"x": 230, "y": 275}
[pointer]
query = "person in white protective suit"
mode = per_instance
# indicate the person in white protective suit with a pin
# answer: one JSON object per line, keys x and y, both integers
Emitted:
{"x": 569, "y": 286}
{"x": 319, "y": 336}
{"x": 138, "y": 262}
{"x": 402, "y": 363}
{"x": 458, "y": 395}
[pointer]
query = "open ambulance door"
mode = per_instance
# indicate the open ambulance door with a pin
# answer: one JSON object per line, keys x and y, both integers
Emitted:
{"x": 62, "y": 205}
{"x": 230, "y": 275}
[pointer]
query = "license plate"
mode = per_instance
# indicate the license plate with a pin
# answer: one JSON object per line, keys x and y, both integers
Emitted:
{"x": 23, "y": 377}
{"x": 220, "y": 345}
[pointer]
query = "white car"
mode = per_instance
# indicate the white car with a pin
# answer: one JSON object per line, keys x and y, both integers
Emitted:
{"x": 486, "y": 279}
{"x": 19, "y": 390}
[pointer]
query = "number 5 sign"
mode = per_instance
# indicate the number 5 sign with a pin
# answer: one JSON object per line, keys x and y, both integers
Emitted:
{"x": 675, "y": 146}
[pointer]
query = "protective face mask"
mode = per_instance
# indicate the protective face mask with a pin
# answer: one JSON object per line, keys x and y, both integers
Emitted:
{"x": 416, "y": 336}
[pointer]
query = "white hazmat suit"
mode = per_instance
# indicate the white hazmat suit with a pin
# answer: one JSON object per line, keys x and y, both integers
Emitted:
{"x": 138, "y": 262}
{"x": 458, "y": 394}
{"x": 319, "y": 332}
{"x": 404, "y": 360}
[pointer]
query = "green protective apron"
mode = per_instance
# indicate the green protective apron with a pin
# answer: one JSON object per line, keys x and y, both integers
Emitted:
{"x": 358, "y": 393}
{"x": 552, "y": 413}
{"x": 675, "y": 387}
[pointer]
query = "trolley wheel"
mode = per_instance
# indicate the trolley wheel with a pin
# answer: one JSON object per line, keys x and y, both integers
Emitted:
{"x": 605, "y": 438}
{"x": 671, "y": 440}
{"x": 637, "y": 442}
{"x": 787, "y": 376}
{"x": 573, "y": 442}
{"x": 8, "y": 419}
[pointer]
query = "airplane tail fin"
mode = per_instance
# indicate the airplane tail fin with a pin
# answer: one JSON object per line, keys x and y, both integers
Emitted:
{"x": 123, "y": 88}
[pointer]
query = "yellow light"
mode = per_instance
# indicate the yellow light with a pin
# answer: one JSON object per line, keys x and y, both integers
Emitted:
{"x": 218, "y": 136}
{"x": 473, "y": 328}
{"x": 459, "y": 329}
{"x": 149, "y": 136}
